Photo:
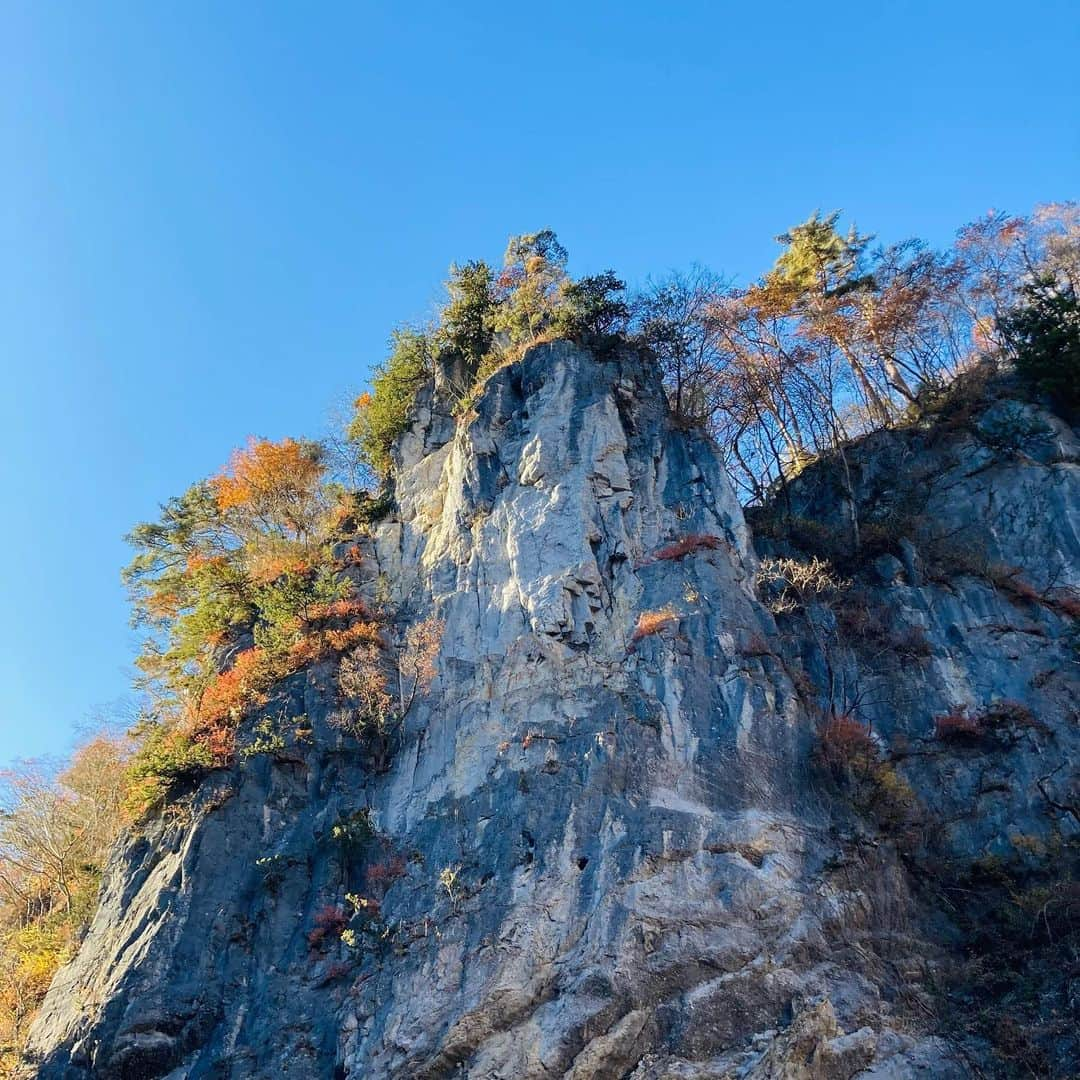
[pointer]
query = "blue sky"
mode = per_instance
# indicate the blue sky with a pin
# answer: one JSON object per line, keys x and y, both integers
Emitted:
{"x": 212, "y": 215}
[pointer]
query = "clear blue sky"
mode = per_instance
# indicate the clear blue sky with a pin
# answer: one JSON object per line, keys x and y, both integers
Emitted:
{"x": 212, "y": 214}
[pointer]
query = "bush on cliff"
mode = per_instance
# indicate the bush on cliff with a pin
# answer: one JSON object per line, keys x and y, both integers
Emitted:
{"x": 383, "y": 415}
{"x": 488, "y": 321}
{"x": 237, "y": 586}
{"x": 1043, "y": 333}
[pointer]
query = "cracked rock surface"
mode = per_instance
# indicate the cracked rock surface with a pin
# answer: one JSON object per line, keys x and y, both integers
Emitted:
{"x": 646, "y": 874}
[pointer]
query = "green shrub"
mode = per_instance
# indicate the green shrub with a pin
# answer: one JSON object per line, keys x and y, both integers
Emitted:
{"x": 1043, "y": 333}
{"x": 268, "y": 740}
{"x": 467, "y": 325}
{"x": 594, "y": 306}
{"x": 353, "y": 831}
{"x": 165, "y": 757}
{"x": 285, "y": 602}
{"x": 383, "y": 415}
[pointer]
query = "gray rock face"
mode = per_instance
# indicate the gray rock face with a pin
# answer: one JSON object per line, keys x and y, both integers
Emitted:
{"x": 598, "y": 852}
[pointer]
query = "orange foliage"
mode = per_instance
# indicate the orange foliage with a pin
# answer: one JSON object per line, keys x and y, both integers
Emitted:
{"x": 275, "y": 484}
{"x": 219, "y": 739}
{"x": 845, "y": 743}
{"x": 351, "y": 608}
{"x": 357, "y": 634}
{"x": 163, "y": 605}
{"x": 957, "y": 724}
{"x": 239, "y": 688}
{"x": 197, "y": 561}
{"x": 652, "y": 622}
{"x": 265, "y": 567}
{"x": 322, "y": 630}
{"x": 688, "y": 545}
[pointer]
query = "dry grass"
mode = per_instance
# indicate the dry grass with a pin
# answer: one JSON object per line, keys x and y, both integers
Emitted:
{"x": 957, "y": 725}
{"x": 1066, "y": 601}
{"x": 652, "y": 622}
{"x": 687, "y": 545}
{"x": 845, "y": 744}
{"x": 790, "y": 584}
{"x": 1000, "y": 720}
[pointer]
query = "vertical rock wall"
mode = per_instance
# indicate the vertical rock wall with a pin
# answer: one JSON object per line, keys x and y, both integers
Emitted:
{"x": 597, "y": 853}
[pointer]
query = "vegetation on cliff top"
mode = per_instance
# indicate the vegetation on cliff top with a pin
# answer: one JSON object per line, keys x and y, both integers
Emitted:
{"x": 838, "y": 338}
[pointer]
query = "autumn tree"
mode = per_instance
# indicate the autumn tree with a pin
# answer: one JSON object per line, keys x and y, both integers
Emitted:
{"x": 529, "y": 286}
{"x": 416, "y": 660}
{"x": 56, "y": 828}
{"x": 368, "y": 677}
{"x": 272, "y": 489}
{"x": 188, "y": 588}
{"x": 231, "y": 586}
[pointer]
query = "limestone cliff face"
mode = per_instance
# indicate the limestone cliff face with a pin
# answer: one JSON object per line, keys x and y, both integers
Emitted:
{"x": 647, "y": 874}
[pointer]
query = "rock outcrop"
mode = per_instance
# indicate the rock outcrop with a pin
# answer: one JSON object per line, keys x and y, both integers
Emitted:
{"x": 610, "y": 846}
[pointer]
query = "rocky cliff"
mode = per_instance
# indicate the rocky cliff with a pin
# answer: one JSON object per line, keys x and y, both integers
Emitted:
{"x": 662, "y": 813}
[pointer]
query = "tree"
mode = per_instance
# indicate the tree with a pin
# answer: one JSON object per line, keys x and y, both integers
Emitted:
{"x": 467, "y": 323}
{"x": 369, "y": 710}
{"x": 242, "y": 554}
{"x": 56, "y": 828}
{"x": 272, "y": 489}
{"x": 188, "y": 588}
{"x": 416, "y": 661}
{"x": 678, "y": 320}
{"x": 815, "y": 281}
{"x": 39, "y": 833}
{"x": 816, "y": 259}
{"x": 529, "y": 287}
{"x": 1043, "y": 334}
{"x": 593, "y": 306}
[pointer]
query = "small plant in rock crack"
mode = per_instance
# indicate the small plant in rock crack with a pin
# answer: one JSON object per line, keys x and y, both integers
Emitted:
{"x": 272, "y": 868}
{"x": 330, "y": 922}
{"x": 790, "y": 584}
{"x": 363, "y": 906}
{"x": 353, "y": 831}
{"x": 1003, "y": 722}
{"x": 448, "y": 879}
{"x": 381, "y": 875}
{"x": 957, "y": 725}
{"x": 268, "y": 740}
